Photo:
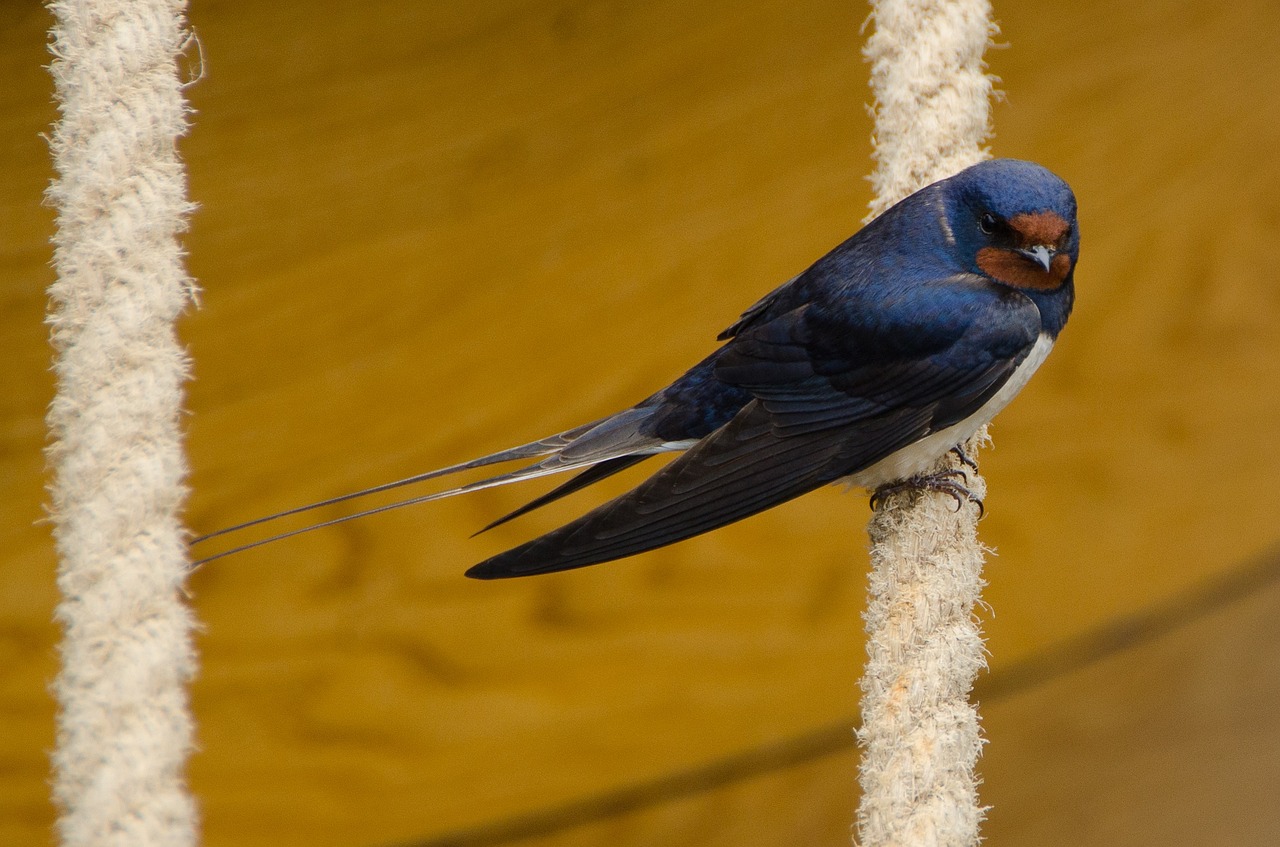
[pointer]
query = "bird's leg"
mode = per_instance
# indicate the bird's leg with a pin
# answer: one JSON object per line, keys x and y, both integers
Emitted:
{"x": 944, "y": 481}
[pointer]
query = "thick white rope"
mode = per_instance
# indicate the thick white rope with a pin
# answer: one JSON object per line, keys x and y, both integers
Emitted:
{"x": 920, "y": 734}
{"x": 124, "y": 728}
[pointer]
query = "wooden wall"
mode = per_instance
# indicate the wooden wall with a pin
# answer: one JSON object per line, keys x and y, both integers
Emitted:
{"x": 429, "y": 231}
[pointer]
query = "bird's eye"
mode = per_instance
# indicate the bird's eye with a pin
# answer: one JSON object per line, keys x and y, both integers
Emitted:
{"x": 987, "y": 223}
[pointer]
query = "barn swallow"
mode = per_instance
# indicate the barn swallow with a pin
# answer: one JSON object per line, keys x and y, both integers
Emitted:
{"x": 889, "y": 351}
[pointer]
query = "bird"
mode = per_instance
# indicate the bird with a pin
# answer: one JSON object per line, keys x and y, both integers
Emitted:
{"x": 888, "y": 352}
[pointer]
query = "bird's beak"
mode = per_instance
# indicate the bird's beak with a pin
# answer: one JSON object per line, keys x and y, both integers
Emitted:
{"x": 1041, "y": 255}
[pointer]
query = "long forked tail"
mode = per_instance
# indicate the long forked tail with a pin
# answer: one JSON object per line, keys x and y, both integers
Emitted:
{"x": 742, "y": 468}
{"x": 580, "y": 480}
{"x": 613, "y": 443}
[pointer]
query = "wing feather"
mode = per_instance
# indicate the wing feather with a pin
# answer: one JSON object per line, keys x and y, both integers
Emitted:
{"x": 742, "y": 469}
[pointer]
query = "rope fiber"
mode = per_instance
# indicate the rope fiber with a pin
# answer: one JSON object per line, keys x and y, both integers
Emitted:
{"x": 920, "y": 736}
{"x": 124, "y": 729}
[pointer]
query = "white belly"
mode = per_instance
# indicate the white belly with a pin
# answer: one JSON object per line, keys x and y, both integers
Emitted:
{"x": 922, "y": 455}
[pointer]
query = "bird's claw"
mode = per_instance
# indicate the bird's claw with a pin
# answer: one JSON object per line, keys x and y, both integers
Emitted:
{"x": 944, "y": 482}
{"x": 964, "y": 457}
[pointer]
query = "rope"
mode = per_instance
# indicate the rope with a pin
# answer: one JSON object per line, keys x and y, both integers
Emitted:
{"x": 124, "y": 729}
{"x": 920, "y": 734}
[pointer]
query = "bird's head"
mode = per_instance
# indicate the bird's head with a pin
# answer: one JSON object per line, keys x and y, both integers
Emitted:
{"x": 1014, "y": 222}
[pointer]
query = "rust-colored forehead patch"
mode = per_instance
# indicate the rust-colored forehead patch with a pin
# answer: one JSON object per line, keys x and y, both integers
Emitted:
{"x": 1039, "y": 227}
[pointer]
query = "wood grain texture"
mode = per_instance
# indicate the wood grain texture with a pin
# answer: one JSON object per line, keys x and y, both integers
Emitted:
{"x": 1173, "y": 740}
{"x": 1158, "y": 730}
{"x": 426, "y": 233}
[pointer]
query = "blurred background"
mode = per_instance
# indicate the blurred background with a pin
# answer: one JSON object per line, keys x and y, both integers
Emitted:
{"x": 432, "y": 230}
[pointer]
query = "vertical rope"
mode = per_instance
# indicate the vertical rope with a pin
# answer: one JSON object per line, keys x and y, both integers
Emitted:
{"x": 124, "y": 729}
{"x": 919, "y": 733}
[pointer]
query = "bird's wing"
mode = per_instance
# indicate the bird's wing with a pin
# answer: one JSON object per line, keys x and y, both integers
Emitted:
{"x": 741, "y": 469}
{"x": 818, "y": 415}
{"x": 814, "y": 371}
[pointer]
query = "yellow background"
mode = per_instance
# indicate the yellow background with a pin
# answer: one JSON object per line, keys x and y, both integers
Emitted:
{"x": 432, "y": 230}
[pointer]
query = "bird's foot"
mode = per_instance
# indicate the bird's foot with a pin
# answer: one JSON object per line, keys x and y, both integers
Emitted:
{"x": 950, "y": 481}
